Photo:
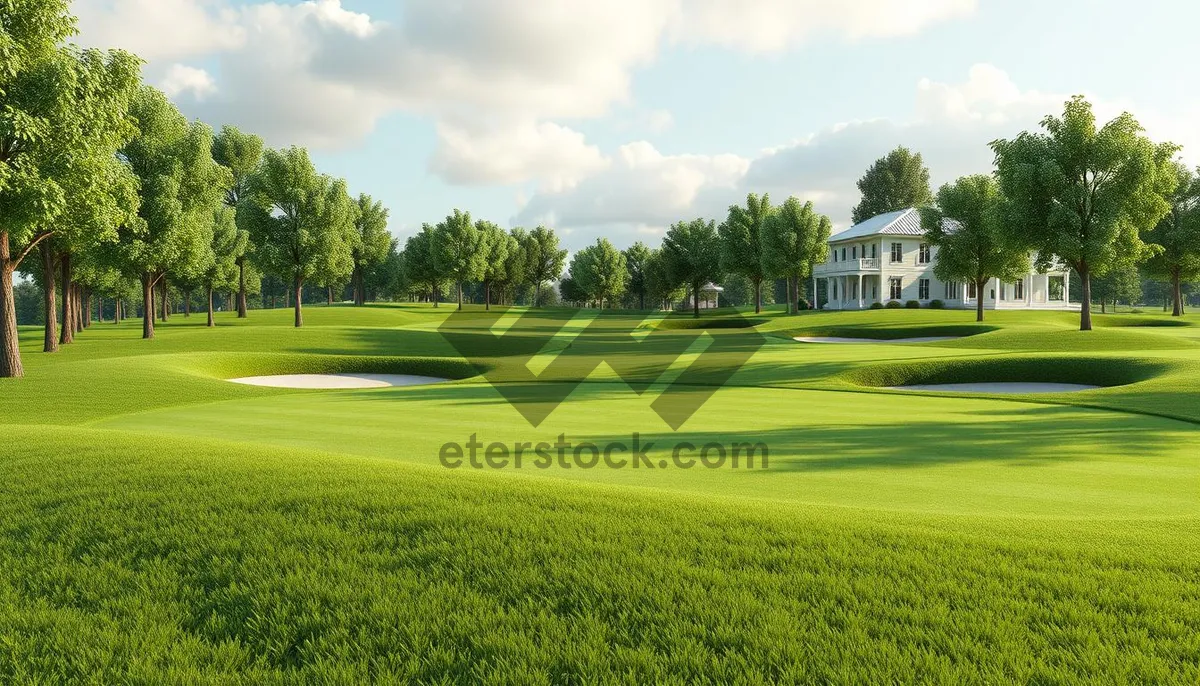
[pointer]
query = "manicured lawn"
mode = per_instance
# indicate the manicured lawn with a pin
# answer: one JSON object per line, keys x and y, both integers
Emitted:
{"x": 161, "y": 525}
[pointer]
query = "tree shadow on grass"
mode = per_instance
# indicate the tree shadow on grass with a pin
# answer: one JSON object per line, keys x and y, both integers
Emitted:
{"x": 1032, "y": 437}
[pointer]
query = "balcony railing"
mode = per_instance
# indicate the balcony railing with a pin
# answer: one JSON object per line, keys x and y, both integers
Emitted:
{"x": 869, "y": 264}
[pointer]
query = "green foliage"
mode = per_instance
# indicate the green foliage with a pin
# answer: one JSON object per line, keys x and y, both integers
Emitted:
{"x": 895, "y": 182}
{"x": 1084, "y": 194}
{"x": 692, "y": 255}
{"x": 876, "y": 305}
{"x": 372, "y": 242}
{"x": 228, "y": 243}
{"x": 599, "y": 271}
{"x": 741, "y": 241}
{"x": 973, "y": 243}
{"x": 495, "y": 245}
{"x": 637, "y": 261}
{"x": 458, "y": 250}
{"x": 794, "y": 239}
{"x": 936, "y": 305}
{"x": 28, "y": 298}
{"x": 420, "y": 265}
{"x": 893, "y": 305}
{"x": 1176, "y": 238}
{"x": 544, "y": 259}
{"x": 913, "y": 305}
{"x": 240, "y": 153}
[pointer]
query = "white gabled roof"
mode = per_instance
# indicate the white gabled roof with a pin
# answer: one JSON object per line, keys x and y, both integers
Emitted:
{"x": 899, "y": 223}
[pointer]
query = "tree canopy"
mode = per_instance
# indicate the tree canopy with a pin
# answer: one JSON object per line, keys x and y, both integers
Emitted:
{"x": 599, "y": 270}
{"x": 693, "y": 256}
{"x": 895, "y": 182}
{"x": 1176, "y": 259}
{"x": 741, "y": 242}
{"x": 456, "y": 250}
{"x": 794, "y": 239}
{"x": 1084, "y": 194}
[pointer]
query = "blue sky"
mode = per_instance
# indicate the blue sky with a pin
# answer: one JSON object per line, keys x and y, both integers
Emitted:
{"x": 618, "y": 118}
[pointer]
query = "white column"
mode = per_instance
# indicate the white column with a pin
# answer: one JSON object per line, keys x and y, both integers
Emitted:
{"x": 860, "y": 291}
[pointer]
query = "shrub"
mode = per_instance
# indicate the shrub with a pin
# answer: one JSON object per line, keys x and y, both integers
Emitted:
{"x": 803, "y": 306}
{"x": 937, "y": 305}
{"x": 893, "y": 305}
{"x": 876, "y": 306}
{"x": 913, "y": 304}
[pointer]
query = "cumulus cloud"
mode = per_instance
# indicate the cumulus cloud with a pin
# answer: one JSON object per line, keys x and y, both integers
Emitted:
{"x": 181, "y": 79}
{"x": 951, "y": 127}
{"x": 319, "y": 74}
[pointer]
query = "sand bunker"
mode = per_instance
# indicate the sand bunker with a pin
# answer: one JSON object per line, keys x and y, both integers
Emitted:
{"x": 1000, "y": 387}
{"x": 338, "y": 381}
{"x": 877, "y": 341}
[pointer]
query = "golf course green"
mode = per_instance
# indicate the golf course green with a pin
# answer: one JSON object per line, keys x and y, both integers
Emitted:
{"x": 160, "y": 524}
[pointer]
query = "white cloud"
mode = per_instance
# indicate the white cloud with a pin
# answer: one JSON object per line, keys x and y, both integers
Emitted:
{"x": 181, "y": 79}
{"x": 951, "y": 127}
{"x": 160, "y": 29}
{"x": 512, "y": 153}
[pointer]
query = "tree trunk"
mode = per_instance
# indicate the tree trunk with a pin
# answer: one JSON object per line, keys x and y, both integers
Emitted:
{"x": 67, "y": 333}
{"x": 1085, "y": 297}
{"x": 117, "y": 311}
{"x": 758, "y": 296}
{"x": 794, "y": 294}
{"x": 187, "y": 303}
{"x": 696, "y": 300}
{"x": 147, "y": 306}
{"x": 537, "y": 294}
{"x": 1177, "y": 292}
{"x": 87, "y": 308}
{"x": 979, "y": 286}
{"x": 360, "y": 298}
{"x": 50, "y": 299}
{"x": 210, "y": 308}
{"x": 487, "y": 295}
{"x": 460, "y": 297}
{"x": 299, "y": 292}
{"x": 241, "y": 301}
{"x": 287, "y": 298}
{"x": 10, "y": 351}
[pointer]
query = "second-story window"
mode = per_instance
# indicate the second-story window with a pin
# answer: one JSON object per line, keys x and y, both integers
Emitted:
{"x": 897, "y": 253}
{"x": 854, "y": 253}
{"x": 843, "y": 254}
{"x": 874, "y": 251}
{"x": 923, "y": 257}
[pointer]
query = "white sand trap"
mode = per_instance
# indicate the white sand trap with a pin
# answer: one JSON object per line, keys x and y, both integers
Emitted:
{"x": 338, "y": 381}
{"x": 1001, "y": 387}
{"x": 877, "y": 341}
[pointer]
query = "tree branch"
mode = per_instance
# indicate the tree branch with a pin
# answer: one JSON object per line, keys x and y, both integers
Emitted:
{"x": 29, "y": 248}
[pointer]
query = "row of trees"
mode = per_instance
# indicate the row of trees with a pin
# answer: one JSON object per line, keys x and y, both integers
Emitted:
{"x": 109, "y": 184}
{"x": 756, "y": 242}
{"x": 1101, "y": 200}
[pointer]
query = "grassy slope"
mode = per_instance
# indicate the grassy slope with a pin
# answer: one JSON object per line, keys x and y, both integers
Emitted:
{"x": 989, "y": 541}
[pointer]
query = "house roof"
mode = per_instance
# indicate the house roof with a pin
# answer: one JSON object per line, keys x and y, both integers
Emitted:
{"x": 899, "y": 223}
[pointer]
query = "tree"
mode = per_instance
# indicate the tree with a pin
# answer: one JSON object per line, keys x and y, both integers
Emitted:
{"x": 495, "y": 244}
{"x": 661, "y": 285}
{"x": 637, "y": 260}
{"x": 180, "y": 186}
{"x": 372, "y": 244}
{"x": 516, "y": 265}
{"x": 228, "y": 246}
{"x": 301, "y": 222}
{"x": 741, "y": 242}
{"x": 599, "y": 270}
{"x": 240, "y": 153}
{"x": 457, "y": 250}
{"x": 967, "y": 227}
{"x": 1177, "y": 236}
{"x": 794, "y": 239}
{"x": 1122, "y": 281}
{"x": 1084, "y": 195}
{"x": 420, "y": 267}
{"x": 544, "y": 259}
{"x": 693, "y": 256}
{"x": 895, "y": 182}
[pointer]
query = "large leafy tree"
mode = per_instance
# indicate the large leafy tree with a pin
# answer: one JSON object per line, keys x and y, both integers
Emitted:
{"x": 600, "y": 271}
{"x": 301, "y": 222}
{"x": 795, "y": 238}
{"x": 228, "y": 246}
{"x": 895, "y": 182}
{"x": 544, "y": 259}
{"x": 1084, "y": 194}
{"x": 1177, "y": 235}
{"x": 240, "y": 153}
{"x": 420, "y": 267}
{"x": 372, "y": 243}
{"x": 516, "y": 265}
{"x": 458, "y": 250}
{"x": 637, "y": 261}
{"x": 741, "y": 242}
{"x": 966, "y": 225}
{"x": 496, "y": 244}
{"x": 180, "y": 187}
{"x": 662, "y": 285}
{"x": 693, "y": 256}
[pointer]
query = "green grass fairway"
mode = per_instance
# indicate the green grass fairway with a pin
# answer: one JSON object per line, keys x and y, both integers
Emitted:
{"x": 159, "y": 524}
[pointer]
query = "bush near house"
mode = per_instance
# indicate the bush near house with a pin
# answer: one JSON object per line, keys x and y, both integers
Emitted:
{"x": 937, "y": 305}
{"x": 894, "y": 305}
{"x": 913, "y": 304}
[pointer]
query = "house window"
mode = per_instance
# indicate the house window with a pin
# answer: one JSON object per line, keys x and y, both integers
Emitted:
{"x": 897, "y": 287}
{"x": 923, "y": 257}
{"x": 897, "y": 253}
{"x": 923, "y": 289}
{"x": 834, "y": 254}
{"x": 873, "y": 251}
{"x": 971, "y": 290}
{"x": 854, "y": 290}
{"x": 1019, "y": 290}
{"x": 854, "y": 253}
{"x": 1057, "y": 287}
{"x": 953, "y": 290}
{"x": 835, "y": 283}
{"x": 843, "y": 254}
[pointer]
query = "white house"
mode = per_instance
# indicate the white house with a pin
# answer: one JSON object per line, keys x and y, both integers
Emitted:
{"x": 887, "y": 258}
